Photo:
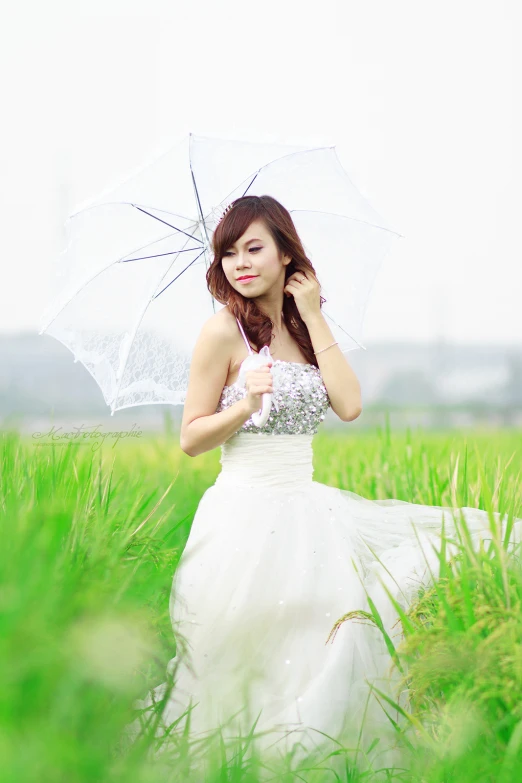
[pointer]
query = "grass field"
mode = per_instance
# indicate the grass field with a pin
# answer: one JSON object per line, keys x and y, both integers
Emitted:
{"x": 90, "y": 543}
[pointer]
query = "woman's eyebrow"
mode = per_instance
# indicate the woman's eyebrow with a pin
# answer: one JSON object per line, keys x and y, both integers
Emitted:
{"x": 254, "y": 239}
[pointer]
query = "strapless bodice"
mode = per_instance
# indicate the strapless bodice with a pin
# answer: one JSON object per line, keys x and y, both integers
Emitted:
{"x": 299, "y": 402}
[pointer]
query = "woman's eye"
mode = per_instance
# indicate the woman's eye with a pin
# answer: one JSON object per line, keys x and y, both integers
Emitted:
{"x": 251, "y": 250}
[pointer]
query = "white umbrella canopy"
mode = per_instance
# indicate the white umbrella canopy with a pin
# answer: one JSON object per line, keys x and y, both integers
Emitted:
{"x": 133, "y": 294}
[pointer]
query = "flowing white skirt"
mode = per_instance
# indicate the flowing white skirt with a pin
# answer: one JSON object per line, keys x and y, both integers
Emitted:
{"x": 273, "y": 560}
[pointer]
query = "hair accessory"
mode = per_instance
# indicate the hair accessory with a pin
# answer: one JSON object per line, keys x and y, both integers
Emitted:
{"x": 324, "y": 349}
{"x": 220, "y": 218}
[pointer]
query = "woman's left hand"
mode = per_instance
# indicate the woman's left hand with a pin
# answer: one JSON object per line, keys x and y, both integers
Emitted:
{"x": 305, "y": 289}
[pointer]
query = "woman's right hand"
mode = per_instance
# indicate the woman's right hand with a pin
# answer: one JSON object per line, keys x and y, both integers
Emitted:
{"x": 258, "y": 382}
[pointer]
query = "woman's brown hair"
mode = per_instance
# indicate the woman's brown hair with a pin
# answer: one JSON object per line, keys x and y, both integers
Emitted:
{"x": 278, "y": 221}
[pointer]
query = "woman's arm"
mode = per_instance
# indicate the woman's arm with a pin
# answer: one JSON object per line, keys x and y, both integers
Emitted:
{"x": 208, "y": 432}
{"x": 342, "y": 384}
{"x": 201, "y": 428}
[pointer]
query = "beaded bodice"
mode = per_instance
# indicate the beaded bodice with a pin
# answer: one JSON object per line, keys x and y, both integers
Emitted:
{"x": 299, "y": 401}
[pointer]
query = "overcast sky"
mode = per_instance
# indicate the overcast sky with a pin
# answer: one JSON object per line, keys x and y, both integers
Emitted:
{"x": 422, "y": 101}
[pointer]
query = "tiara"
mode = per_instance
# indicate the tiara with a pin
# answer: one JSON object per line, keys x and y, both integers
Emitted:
{"x": 218, "y": 215}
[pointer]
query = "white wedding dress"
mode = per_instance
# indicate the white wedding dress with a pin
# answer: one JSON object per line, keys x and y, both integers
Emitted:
{"x": 273, "y": 560}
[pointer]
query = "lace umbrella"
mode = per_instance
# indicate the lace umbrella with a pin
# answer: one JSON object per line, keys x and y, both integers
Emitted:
{"x": 133, "y": 294}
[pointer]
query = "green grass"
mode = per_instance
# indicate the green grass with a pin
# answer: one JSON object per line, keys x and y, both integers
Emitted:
{"x": 90, "y": 542}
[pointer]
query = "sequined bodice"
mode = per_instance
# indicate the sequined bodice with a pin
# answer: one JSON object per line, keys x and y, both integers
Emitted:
{"x": 299, "y": 400}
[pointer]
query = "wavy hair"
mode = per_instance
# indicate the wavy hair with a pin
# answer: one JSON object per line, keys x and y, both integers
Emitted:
{"x": 278, "y": 221}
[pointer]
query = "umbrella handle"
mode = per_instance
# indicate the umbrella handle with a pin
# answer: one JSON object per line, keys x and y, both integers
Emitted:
{"x": 253, "y": 361}
{"x": 260, "y": 417}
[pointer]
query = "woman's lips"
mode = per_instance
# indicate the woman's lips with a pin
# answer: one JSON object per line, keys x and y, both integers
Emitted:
{"x": 247, "y": 279}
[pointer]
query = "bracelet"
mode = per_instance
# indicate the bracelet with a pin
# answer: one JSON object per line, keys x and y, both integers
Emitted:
{"x": 324, "y": 349}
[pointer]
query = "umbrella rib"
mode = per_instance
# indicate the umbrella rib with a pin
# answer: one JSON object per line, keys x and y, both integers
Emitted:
{"x": 133, "y": 337}
{"x": 123, "y": 259}
{"x": 120, "y": 203}
{"x": 320, "y": 212}
{"x": 198, "y": 200}
{"x": 288, "y": 155}
{"x": 343, "y": 330}
{"x": 251, "y": 182}
{"x": 315, "y": 149}
{"x": 224, "y": 200}
{"x": 200, "y": 211}
{"x": 297, "y": 152}
{"x": 167, "y": 224}
{"x": 347, "y": 217}
{"x": 182, "y": 271}
{"x": 357, "y": 189}
{"x": 99, "y": 272}
{"x": 203, "y": 223}
{"x": 156, "y": 255}
{"x": 246, "y": 189}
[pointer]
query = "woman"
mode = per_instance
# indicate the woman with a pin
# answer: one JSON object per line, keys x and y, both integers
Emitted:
{"x": 274, "y": 558}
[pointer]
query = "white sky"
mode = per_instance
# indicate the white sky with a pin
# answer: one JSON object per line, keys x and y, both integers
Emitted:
{"x": 422, "y": 101}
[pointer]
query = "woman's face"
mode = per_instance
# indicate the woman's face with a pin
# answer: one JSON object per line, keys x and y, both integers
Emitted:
{"x": 255, "y": 254}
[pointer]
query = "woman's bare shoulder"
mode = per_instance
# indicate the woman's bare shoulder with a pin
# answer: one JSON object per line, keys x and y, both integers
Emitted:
{"x": 223, "y": 324}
